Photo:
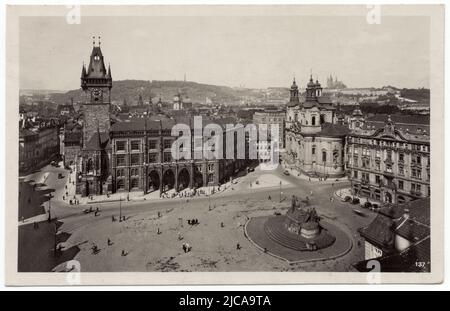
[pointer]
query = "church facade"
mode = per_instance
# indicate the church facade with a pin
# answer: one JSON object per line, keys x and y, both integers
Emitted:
{"x": 314, "y": 138}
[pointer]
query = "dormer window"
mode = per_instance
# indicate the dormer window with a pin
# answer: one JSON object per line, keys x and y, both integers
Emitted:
{"x": 96, "y": 58}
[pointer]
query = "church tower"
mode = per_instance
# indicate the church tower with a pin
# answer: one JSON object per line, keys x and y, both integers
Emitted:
{"x": 96, "y": 82}
{"x": 294, "y": 93}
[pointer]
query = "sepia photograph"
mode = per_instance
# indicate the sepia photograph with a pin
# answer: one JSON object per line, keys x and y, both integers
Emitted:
{"x": 224, "y": 144}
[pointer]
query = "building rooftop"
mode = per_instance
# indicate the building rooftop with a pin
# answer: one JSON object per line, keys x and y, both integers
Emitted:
{"x": 405, "y": 261}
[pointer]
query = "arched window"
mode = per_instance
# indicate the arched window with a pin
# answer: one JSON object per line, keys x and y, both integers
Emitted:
{"x": 90, "y": 166}
{"x": 296, "y": 117}
{"x": 335, "y": 156}
{"x": 313, "y": 120}
{"x": 324, "y": 156}
{"x": 322, "y": 119}
{"x": 120, "y": 184}
{"x": 134, "y": 183}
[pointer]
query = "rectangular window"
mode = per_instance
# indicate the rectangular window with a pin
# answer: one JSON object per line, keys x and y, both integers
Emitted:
{"x": 416, "y": 159}
{"x": 416, "y": 173}
{"x": 167, "y": 143}
{"x": 415, "y": 187}
{"x": 401, "y": 170}
{"x": 134, "y": 172}
{"x": 313, "y": 150}
{"x": 388, "y": 155}
{"x": 210, "y": 177}
{"x": 135, "y": 145}
{"x": 377, "y": 165}
{"x": 152, "y": 144}
{"x": 135, "y": 159}
{"x": 167, "y": 157}
{"x": 355, "y": 174}
{"x": 377, "y": 179}
{"x": 120, "y": 160}
{"x": 355, "y": 161}
{"x": 366, "y": 163}
{"x": 401, "y": 157}
{"x": 400, "y": 185}
{"x": 120, "y": 145}
{"x": 152, "y": 157}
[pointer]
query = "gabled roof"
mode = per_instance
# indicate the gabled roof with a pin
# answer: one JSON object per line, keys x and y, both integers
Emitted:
{"x": 93, "y": 143}
{"x": 380, "y": 232}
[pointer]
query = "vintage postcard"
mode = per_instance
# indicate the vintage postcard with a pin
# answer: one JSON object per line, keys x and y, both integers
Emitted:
{"x": 224, "y": 144}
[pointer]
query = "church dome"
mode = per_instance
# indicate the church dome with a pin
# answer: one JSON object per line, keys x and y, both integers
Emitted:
{"x": 294, "y": 85}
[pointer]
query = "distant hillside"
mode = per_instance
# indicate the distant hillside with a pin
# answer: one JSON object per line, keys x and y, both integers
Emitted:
{"x": 130, "y": 90}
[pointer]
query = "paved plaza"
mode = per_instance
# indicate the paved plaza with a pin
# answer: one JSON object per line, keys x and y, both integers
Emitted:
{"x": 152, "y": 234}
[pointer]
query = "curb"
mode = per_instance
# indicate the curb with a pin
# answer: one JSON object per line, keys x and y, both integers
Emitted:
{"x": 346, "y": 251}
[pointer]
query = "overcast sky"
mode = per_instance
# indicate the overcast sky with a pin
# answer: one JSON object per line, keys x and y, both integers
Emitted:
{"x": 235, "y": 51}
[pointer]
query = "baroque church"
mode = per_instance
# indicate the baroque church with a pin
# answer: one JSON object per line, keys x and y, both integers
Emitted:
{"x": 315, "y": 139}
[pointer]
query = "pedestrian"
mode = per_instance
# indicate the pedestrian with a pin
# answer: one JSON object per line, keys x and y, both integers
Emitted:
{"x": 123, "y": 253}
{"x": 113, "y": 218}
{"x": 22, "y": 219}
{"x": 184, "y": 247}
{"x": 269, "y": 198}
{"x": 222, "y": 225}
{"x": 238, "y": 246}
{"x": 64, "y": 198}
{"x": 159, "y": 231}
{"x": 265, "y": 249}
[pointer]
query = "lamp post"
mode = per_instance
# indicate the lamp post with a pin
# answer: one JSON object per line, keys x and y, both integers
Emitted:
{"x": 49, "y": 210}
{"x": 55, "y": 240}
{"x": 280, "y": 191}
{"x": 120, "y": 209}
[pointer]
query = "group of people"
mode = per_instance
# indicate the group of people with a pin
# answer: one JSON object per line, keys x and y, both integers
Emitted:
{"x": 193, "y": 222}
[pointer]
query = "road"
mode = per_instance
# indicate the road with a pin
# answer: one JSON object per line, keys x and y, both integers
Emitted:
{"x": 74, "y": 217}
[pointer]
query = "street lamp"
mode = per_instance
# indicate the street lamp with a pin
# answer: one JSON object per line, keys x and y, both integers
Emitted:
{"x": 55, "y": 240}
{"x": 49, "y": 209}
{"x": 120, "y": 209}
{"x": 280, "y": 191}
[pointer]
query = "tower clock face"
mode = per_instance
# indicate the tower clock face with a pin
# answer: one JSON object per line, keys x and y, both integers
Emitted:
{"x": 96, "y": 94}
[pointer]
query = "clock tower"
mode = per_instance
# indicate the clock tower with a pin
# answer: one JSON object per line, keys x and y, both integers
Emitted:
{"x": 93, "y": 172}
{"x": 96, "y": 82}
